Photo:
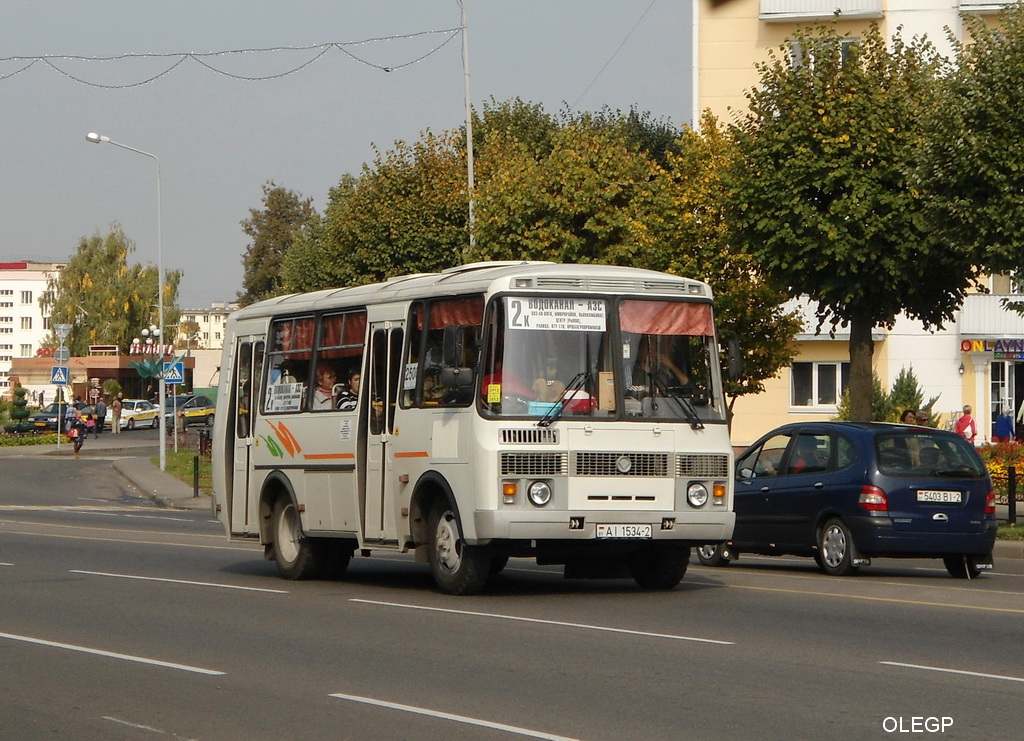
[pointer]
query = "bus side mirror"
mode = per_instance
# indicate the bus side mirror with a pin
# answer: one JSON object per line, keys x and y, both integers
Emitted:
{"x": 454, "y": 344}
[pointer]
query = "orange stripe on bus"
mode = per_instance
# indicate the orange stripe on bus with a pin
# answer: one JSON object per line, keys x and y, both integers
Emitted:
{"x": 413, "y": 454}
{"x": 325, "y": 456}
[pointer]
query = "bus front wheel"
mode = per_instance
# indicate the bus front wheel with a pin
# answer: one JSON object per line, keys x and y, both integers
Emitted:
{"x": 297, "y": 556}
{"x": 457, "y": 568}
{"x": 659, "y": 566}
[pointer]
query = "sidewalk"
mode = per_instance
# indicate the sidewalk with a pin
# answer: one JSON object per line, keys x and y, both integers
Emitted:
{"x": 134, "y": 452}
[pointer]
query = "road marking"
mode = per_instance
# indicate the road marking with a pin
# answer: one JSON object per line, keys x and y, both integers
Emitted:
{"x": 451, "y": 716}
{"x": 953, "y": 671}
{"x": 178, "y": 581}
{"x": 6, "y": 564}
{"x": 895, "y": 600}
{"x": 140, "y": 727}
{"x": 129, "y": 540}
{"x": 585, "y": 626}
{"x": 110, "y": 654}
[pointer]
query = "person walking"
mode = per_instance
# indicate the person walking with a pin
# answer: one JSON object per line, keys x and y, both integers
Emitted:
{"x": 966, "y": 427}
{"x": 101, "y": 415}
{"x": 77, "y": 432}
{"x": 115, "y": 409}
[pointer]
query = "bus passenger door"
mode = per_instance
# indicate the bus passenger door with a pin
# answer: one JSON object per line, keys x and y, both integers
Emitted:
{"x": 243, "y": 514}
{"x": 381, "y": 397}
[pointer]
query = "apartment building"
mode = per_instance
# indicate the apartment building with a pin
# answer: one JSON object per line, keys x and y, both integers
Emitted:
{"x": 977, "y": 360}
{"x": 203, "y": 329}
{"x": 23, "y": 325}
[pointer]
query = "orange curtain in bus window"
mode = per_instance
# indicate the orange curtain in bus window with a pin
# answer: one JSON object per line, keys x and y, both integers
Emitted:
{"x": 666, "y": 317}
{"x": 301, "y": 339}
{"x": 455, "y": 312}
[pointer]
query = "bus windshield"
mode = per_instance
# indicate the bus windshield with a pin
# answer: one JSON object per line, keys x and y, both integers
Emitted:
{"x": 549, "y": 357}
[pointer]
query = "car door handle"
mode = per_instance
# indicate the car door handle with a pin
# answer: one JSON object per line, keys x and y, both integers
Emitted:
{"x": 765, "y": 489}
{"x": 819, "y": 484}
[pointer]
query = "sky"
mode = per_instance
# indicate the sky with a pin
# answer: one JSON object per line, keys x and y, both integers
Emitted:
{"x": 218, "y": 138}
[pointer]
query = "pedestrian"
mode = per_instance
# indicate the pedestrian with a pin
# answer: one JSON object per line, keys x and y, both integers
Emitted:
{"x": 77, "y": 432}
{"x": 909, "y": 417}
{"x": 101, "y": 415}
{"x": 922, "y": 419}
{"x": 1003, "y": 432}
{"x": 966, "y": 427}
{"x": 42, "y": 400}
{"x": 115, "y": 410}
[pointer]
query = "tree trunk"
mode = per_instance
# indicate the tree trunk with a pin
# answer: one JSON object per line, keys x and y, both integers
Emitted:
{"x": 861, "y": 375}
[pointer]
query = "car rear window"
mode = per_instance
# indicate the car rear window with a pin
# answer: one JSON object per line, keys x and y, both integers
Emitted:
{"x": 917, "y": 453}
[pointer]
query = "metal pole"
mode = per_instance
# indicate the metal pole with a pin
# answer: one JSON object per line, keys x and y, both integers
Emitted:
{"x": 469, "y": 123}
{"x": 1011, "y": 494}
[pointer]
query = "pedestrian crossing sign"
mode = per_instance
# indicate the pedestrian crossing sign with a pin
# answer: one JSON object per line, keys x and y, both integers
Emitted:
{"x": 59, "y": 375}
{"x": 174, "y": 372}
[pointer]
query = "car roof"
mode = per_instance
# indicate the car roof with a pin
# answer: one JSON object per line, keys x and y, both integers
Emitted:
{"x": 854, "y": 428}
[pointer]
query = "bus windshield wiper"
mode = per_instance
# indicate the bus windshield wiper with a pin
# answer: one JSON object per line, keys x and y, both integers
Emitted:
{"x": 670, "y": 391}
{"x": 558, "y": 406}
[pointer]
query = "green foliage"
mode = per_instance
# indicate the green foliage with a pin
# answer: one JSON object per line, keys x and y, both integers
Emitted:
{"x": 905, "y": 393}
{"x": 104, "y": 299}
{"x": 272, "y": 229}
{"x": 821, "y": 197}
{"x": 972, "y": 164}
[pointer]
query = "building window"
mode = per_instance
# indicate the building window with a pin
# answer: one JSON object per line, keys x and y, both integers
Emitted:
{"x": 26, "y": 297}
{"x": 26, "y": 351}
{"x": 818, "y": 384}
{"x": 799, "y": 57}
{"x": 26, "y": 322}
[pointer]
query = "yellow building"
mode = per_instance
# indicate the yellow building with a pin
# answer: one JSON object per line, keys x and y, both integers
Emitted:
{"x": 979, "y": 360}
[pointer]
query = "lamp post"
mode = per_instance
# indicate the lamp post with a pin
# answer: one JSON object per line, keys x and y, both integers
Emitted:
{"x": 99, "y": 139}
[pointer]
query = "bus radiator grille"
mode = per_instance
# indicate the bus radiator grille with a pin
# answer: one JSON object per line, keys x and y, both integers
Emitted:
{"x": 533, "y": 436}
{"x": 700, "y": 466}
{"x": 533, "y": 464}
{"x": 621, "y": 464}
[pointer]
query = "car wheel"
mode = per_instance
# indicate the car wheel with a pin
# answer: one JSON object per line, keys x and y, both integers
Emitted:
{"x": 131, "y": 424}
{"x": 835, "y": 549}
{"x": 296, "y": 555}
{"x": 155, "y": 424}
{"x": 961, "y": 566}
{"x": 457, "y": 568}
{"x": 714, "y": 554}
{"x": 659, "y": 566}
{"x": 209, "y": 420}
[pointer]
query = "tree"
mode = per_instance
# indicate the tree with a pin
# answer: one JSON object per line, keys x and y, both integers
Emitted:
{"x": 684, "y": 231}
{"x": 104, "y": 299}
{"x": 821, "y": 196}
{"x": 972, "y": 166}
{"x": 273, "y": 230}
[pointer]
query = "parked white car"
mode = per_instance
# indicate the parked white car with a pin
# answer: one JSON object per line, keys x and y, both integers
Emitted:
{"x": 136, "y": 413}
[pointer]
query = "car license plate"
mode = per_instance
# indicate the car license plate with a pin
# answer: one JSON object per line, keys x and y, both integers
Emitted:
{"x": 623, "y": 531}
{"x": 943, "y": 497}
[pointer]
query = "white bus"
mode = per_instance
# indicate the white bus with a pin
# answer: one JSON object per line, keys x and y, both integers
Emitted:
{"x": 569, "y": 413}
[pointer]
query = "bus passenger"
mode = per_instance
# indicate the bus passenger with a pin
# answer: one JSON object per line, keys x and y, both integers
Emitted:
{"x": 323, "y": 397}
{"x": 346, "y": 401}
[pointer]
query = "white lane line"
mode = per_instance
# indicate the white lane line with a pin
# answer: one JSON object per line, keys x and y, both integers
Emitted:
{"x": 162, "y": 518}
{"x": 585, "y": 626}
{"x": 952, "y": 671}
{"x": 110, "y": 654}
{"x": 451, "y": 716}
{"x": 6, "y": 564}
{"x": 140, "y": 727}
{"x": 178, "y": 581}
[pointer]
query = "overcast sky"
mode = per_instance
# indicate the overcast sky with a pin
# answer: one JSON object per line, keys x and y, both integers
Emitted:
{"x": 219, "y": 138}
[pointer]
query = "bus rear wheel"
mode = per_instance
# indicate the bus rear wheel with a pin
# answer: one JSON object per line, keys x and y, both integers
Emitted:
{"x": 296, "y": 555}
{"x": 659, "y": 566}
{"x": 457, "y": 568}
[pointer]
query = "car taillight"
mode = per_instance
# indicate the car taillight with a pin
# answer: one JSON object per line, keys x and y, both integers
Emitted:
{"x": 873, "y": 499}
{"x": 990, "y": 503}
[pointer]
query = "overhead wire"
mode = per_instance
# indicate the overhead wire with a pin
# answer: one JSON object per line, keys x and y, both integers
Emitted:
{"x": 53, "y": 60}
{"x": 614, "y": 54}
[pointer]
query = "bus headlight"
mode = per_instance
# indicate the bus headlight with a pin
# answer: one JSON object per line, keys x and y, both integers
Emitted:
{"x": 539, "y": 493}
{"x": 697, "y": 495}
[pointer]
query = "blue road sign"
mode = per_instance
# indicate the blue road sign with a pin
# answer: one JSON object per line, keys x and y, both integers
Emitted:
{"x": 174, "y": 372}
{"x": 59, "y": 375}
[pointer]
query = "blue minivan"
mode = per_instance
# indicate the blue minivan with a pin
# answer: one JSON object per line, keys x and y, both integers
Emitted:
{"x": 845, "y": 492}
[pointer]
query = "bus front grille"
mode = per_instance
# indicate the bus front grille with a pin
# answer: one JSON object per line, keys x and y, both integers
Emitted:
{"x": 531, "y": 436}
{"x": 702, "y": 466}
{"x": 533, "y": 464}
{"x": 621, "y": 464}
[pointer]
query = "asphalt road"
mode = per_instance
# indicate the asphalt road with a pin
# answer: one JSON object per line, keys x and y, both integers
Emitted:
{"x": 119, "y": 620}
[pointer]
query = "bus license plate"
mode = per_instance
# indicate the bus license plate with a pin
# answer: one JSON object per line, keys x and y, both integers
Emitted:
{"x": 624, "y": 531}
{"x": 945, "y": 497}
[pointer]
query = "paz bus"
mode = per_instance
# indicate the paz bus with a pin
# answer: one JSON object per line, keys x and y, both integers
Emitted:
{"x": 573, "y": 414}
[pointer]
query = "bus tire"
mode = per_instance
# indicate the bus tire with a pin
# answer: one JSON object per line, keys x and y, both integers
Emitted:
{"x": 457, "y": 568}
{"x": 297, "y": 556}
{"x": 659, "y": 566}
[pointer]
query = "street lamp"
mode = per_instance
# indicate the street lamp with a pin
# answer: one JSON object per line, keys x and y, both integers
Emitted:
{"x": 99, "y": 139}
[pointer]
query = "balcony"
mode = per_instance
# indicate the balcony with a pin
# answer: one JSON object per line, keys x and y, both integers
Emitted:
{"x": 983, "y": 6}
{"x": 805, "y": 10}
{"x": 983, "y": 317}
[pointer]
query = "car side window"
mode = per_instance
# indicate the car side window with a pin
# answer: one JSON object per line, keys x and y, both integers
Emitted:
{"x": 765, "y": 460}
{"x": 846, "y": 452}
{"x": 810, "y": 454}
